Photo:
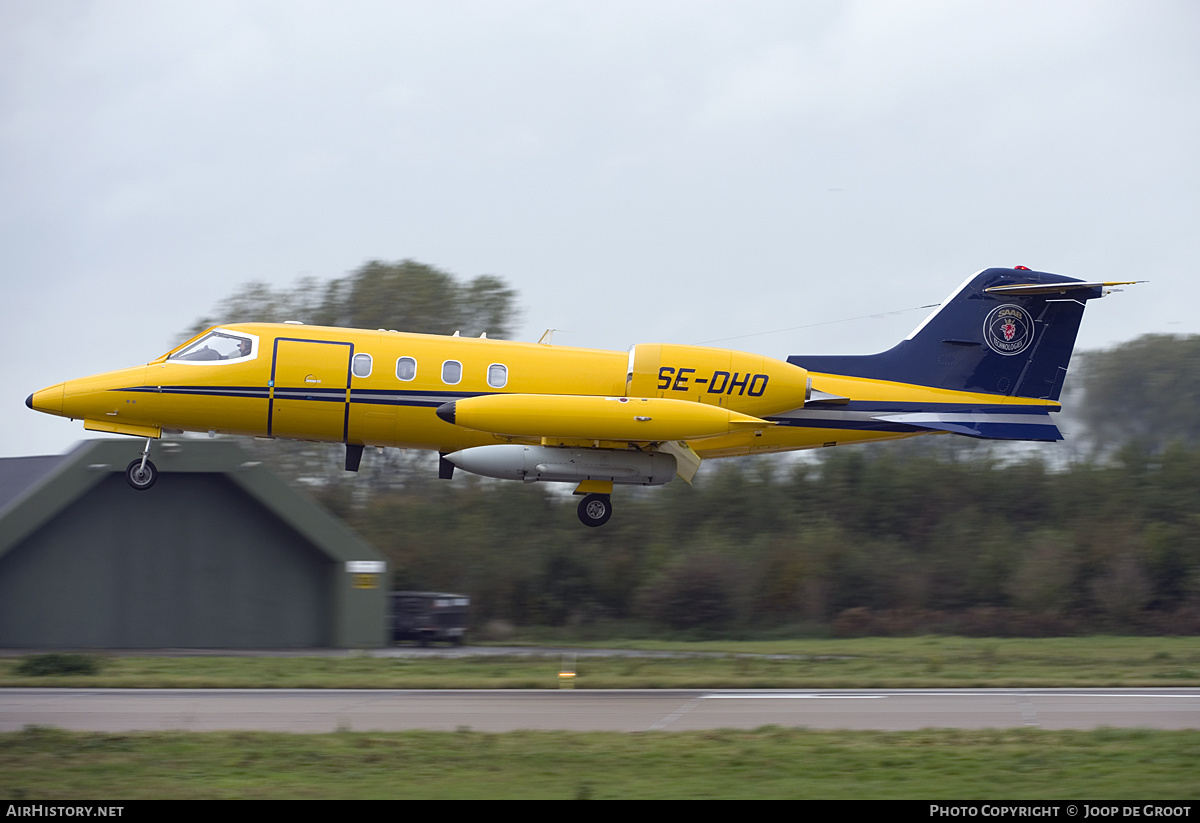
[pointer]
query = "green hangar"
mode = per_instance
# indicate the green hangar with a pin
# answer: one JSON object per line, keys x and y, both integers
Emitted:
{"x": 220, "y": 553}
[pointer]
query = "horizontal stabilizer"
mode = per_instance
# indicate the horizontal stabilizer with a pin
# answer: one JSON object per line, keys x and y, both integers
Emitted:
{"x": 1057, "y": 288}
{"x": 998, "y": 426}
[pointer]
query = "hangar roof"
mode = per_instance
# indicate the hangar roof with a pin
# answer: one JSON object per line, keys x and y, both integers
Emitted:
{"x": 19, "y": 473}
{"x": 35, "y": 489}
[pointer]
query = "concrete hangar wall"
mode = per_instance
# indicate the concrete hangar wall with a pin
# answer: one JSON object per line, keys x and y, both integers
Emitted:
{"x": 219, "y": 553}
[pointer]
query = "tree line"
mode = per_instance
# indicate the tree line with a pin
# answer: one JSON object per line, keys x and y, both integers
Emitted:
{"x": 882, "y": 539}
{"x": 405, "y": 295}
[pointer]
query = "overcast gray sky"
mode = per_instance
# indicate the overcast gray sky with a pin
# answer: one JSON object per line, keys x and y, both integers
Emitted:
{"x": 639, "y": 171}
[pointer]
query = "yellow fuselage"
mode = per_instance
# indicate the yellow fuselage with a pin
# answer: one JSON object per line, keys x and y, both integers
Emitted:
{"x": 383, "y": 388}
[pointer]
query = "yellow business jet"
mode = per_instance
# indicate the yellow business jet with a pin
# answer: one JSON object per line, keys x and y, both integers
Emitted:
{"x": 988, "y": 363}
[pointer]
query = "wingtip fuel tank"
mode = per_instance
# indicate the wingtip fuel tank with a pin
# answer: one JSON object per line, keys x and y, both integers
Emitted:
{"x": 634, "y": 419}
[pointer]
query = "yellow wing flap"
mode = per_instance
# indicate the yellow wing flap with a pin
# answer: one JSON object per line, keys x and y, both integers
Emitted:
{"x": 687, "y": 462}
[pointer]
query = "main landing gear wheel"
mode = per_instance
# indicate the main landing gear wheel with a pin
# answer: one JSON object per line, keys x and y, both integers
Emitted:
{"x": 141, "y": 476}
{"x": 595, "y": 509}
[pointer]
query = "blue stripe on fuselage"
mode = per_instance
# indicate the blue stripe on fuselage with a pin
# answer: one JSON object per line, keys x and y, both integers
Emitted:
{"x": 388, "y": 397}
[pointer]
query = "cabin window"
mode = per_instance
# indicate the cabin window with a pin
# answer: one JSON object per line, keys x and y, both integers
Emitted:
{"x": 217, "y": 346}
{"x": 451, "y": 372}
{"x": 361, "y": 366}
{"x": 406, "y": 368}
{"x": 497, "y": 375}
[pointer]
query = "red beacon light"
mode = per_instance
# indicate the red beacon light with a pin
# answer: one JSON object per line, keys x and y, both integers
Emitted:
{"x": 1022, "y": 268}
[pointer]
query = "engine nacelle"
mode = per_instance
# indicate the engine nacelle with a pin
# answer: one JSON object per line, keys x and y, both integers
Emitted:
{"x": 747, "y": 383}
{"x": 565, "y": 465}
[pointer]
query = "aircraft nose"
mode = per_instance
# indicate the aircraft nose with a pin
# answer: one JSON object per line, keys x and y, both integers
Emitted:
{"x": 48, "y": 400}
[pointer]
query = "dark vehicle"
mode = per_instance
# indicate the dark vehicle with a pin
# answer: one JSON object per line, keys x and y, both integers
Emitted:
{"x": 429, "y": 616}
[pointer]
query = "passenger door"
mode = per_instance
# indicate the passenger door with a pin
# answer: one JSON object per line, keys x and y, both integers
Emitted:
{"x": 310, "y": 389}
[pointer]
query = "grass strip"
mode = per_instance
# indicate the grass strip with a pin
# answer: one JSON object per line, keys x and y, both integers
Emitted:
{"x": 42, "y": 763}
{"x": 922, "y": 662}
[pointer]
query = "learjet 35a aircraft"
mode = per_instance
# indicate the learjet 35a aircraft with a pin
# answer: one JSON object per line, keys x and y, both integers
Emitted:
{"x": 988, "y": 363}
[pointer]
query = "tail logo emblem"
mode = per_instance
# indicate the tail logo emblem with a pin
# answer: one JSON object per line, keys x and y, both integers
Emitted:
{"x": 1008, "y": 330}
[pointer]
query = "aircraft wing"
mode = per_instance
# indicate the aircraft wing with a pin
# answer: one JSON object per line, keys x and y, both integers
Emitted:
{"x": 1005, "y": 425}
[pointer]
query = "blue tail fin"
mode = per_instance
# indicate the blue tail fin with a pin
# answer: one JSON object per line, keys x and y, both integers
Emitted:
{"x": 1004, "y": 331}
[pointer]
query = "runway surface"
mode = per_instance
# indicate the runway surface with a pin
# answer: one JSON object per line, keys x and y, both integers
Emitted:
{"x": 326, "y": 710}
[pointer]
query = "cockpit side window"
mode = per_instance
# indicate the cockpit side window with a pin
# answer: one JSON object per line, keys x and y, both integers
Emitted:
{"x": 218, "y": 346}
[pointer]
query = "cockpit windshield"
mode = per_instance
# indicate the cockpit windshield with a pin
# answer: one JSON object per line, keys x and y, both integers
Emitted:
{"x": 217, "y": 346}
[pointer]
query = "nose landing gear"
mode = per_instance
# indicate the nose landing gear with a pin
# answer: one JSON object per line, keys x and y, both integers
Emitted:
{"x": 141, "y": 473}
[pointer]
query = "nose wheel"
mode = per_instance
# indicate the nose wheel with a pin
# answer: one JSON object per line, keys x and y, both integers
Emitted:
{"x": 141, "y": 473}
{"x": 595, "y": 509}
